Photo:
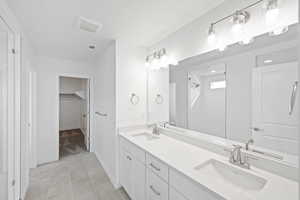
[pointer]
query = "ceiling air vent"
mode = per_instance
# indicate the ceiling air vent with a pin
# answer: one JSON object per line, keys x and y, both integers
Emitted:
{"x": 88, "y": 25}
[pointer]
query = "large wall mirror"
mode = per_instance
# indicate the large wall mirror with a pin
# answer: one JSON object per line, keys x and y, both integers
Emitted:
{"x": 247, "y": 92}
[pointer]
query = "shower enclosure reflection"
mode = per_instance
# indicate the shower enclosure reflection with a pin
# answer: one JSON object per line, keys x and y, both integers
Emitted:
{"x": 206, "y": 100}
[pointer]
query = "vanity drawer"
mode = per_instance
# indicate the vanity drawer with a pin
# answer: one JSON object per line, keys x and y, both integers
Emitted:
{"x": 158, "y": 167}
{"x": 189, "y": 188}
{"x": 136, "y": 152}
{"x": 139, "y": 154}
{"x": 157, "y": 189}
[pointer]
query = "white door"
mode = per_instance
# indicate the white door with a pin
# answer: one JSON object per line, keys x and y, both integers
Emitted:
{"x": 7, "y": 114}
{"x": 275, "y": 116}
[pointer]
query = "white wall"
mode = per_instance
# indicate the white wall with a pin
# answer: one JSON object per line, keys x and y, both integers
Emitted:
{"x": 48, "y": 72}
{"x": 158, "y": 84}
{"x": 27, "y": 66}
{"x": 131, "y": 78}
{"x": 105, "y": 132}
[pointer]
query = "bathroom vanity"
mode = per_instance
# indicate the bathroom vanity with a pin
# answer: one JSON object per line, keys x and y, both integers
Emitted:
{"x": 228, "y": 127}
{"x": 164, "y": 168}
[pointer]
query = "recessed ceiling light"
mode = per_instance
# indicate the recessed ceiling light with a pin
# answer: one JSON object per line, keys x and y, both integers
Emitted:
{"x": 213, "y": 71}
{"x": 268, "y": 61}
{"x": 92, "y": 47}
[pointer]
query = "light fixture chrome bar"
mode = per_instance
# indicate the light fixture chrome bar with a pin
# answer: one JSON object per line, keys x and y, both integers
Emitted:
{"x": 234, "y": 13}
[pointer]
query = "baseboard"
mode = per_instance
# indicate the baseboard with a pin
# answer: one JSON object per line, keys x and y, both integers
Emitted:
{"x": 111, "y": 177}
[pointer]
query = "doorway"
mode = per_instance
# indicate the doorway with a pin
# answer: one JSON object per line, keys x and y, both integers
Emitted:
{"x": 74, "y": 120}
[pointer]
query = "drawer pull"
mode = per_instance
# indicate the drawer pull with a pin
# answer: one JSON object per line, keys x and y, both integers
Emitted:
{"x": 129, "y": 158}
{"x": 154, "y": 190}
{"x": 154, "y": 167}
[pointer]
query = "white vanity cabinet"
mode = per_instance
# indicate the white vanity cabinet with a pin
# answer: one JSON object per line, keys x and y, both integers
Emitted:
{"x": 132, "y": 170}
{"x": 145, "y": 177}
{"x": 189, "y": 189}
{"x": 174, "y": 195}
{"x": 157, "y": 188}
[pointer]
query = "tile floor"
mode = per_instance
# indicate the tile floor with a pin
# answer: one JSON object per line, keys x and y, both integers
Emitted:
{"x": 76, "y": 177}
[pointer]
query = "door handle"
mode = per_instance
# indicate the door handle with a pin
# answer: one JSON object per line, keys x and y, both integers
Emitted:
{"x": 154, "y": 167}
{"x": 257, "y": 129}
{"x": 154, "y": 190}
{"x": 293, "y": 97}
{"x": 101, "y": 114}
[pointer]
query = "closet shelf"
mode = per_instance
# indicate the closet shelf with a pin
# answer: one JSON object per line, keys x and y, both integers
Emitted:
{"x": 81, "y": 94}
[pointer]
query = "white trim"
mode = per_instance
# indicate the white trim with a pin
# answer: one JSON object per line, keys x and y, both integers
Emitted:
{"x": 11, "y": 125}
{"x": 32, "y": 118}
{"x": 91, "y": 116}
{"x": 17, "y": 117}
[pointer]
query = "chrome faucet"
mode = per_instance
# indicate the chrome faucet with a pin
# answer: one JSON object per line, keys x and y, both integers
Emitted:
{"x": 155, "y": 129}
{"x": 251, "y": 141}
{"x": 164, "y": 124}
{"x": 238, "y": 158}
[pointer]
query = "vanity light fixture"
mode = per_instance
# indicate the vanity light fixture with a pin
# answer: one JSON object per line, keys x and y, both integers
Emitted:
{"x": 272, "y": 12}
{"x": 211, "y": 34}
{"x": 159, "y": 59}
{"x": 241, "y": 17}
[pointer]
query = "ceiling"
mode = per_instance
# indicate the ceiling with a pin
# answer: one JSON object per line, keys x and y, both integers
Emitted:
{"x": 50, "y": 24}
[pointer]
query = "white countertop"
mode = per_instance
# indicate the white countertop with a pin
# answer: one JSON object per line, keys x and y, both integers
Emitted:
{"x": 184, "y": 157}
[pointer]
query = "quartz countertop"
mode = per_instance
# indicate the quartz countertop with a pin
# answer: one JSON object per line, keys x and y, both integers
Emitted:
{"x": 184, "y": 157}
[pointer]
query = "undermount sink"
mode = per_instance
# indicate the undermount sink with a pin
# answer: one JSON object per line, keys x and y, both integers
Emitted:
{"x": 145, "y": 136}
{"x": 223, "y": 174}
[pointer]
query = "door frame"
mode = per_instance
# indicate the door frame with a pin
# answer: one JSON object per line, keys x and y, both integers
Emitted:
{"x": 13, "y": 106}
{"x": 91, "y": 104}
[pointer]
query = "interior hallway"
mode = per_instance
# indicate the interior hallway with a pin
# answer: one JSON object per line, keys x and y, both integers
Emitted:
{"x": 76, "y": 177}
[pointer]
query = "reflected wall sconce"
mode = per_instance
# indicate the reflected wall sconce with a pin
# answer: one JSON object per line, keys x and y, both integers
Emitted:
{"x": 159, "y": 99}
{"x": 240, "y": 17}
{"x": 134, "y": 99}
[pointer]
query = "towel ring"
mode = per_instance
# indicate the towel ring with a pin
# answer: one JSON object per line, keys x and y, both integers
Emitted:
{"x": 134, "y": 99}
{"x": 159, "y": 99}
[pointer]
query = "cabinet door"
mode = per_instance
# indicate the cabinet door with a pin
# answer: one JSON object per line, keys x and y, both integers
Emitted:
{"x": 138, "y": 180}
{"x": 125, "y": 169}
{"x": 157, "y": 189}
{"x": 174, "y": 195}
